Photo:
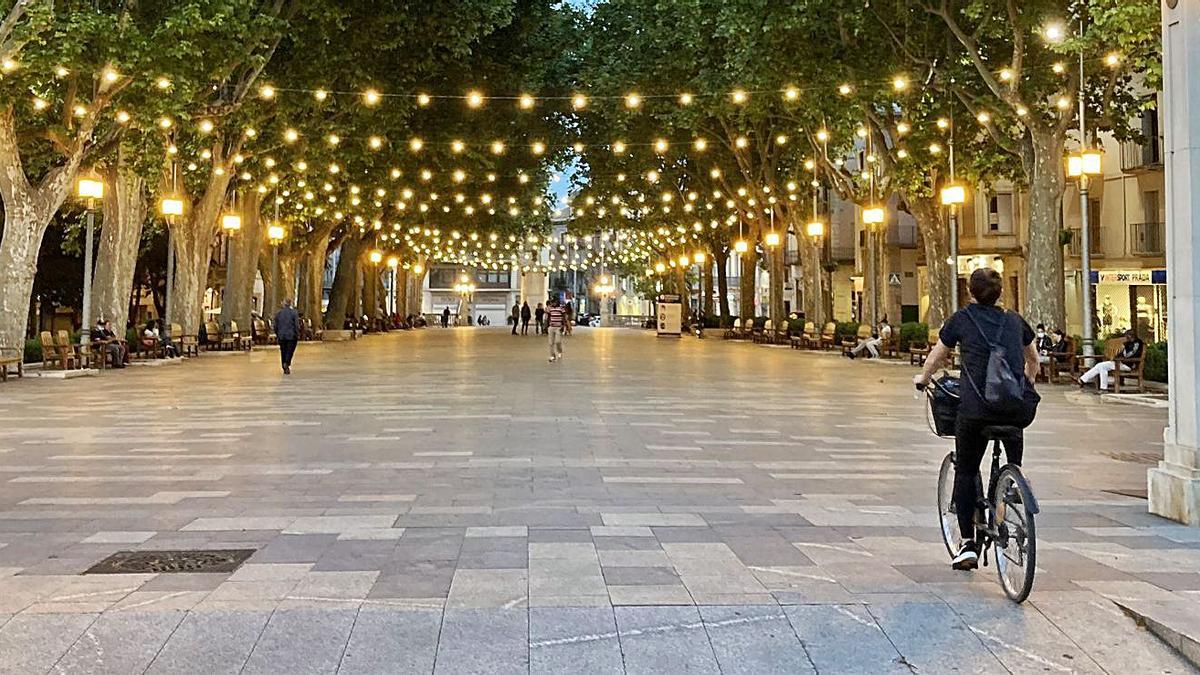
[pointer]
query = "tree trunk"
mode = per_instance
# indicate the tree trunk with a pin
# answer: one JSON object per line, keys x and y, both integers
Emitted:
{"x": 344, "y": 284}
{"x": 400, "y": 292}
{"x": 416, "y": 287}
{"x": 284, "y": 283}
{"x": 28, "y": 210}
{"x": 312, "y": 281}
{"x": 938, "y": 273}
{"x": 746, "y": 285}
{"x": 1044, "y": 297}
{"x": 120, "y": 239}
{"x": 706, "y": 287}
{"x": 370, "y": 294}
{"x": 244, "y": 249}
{"x": 722, "y": 258}
{"x": 193, "y": 237}
{"x": 775, "y": 279}
{"x": 681, "y": 288}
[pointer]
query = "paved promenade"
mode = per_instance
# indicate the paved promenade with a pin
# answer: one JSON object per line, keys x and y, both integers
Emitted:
{"x": 448, "y": 501}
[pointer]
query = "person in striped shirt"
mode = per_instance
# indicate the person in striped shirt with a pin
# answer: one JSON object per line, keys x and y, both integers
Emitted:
{"x": 556, "y": 319}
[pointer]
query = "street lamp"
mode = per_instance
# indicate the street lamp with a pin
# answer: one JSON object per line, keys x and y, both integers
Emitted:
{"x": 170, "y": 207}
{"x": 231, "y": 223}
{"x": 393, "y": 263}
{"x": 1083, "y": 166}
{"x": 953, "y": 196}
{"x": 275, "y": 235}
{"x": 89, "y": 188}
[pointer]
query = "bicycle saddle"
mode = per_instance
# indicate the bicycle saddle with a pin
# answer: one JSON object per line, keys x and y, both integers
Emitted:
{"x": 1001, "y": 432}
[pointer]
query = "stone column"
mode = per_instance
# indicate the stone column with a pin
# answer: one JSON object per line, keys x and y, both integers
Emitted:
{"x": 1174, "y": 485}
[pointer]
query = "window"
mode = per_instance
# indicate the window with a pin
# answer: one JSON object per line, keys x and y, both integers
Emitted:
{"x": 1000, "y": 214}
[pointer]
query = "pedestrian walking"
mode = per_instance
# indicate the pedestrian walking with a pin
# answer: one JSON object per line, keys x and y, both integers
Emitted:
{"x": 287, "y": 333}
{"x": 556, "y": 324}
{"x": 568, "y": 318}
{"x": 446, "y": 317}
{"x": 515, "y": 317}
{"x": 526, "y": 315}
{"x": 539, "y": 316}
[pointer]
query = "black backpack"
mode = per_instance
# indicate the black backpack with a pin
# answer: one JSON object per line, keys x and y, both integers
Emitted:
{"x": 1004, "y": 392}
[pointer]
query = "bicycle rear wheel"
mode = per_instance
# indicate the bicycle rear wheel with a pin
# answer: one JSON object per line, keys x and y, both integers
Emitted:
{"x": 947, "y": 517}
{"x": 1016, "y": 536}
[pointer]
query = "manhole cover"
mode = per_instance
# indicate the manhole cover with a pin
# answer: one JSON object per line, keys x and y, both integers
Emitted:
{"x": 150, "y": 562}
{"x": 1135, "y": 457}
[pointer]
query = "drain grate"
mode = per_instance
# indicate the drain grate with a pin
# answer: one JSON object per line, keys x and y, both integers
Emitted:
{"x": 165, "y": 562}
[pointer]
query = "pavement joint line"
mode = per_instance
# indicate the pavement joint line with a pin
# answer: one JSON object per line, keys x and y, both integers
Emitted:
{"x": 1023, "y": 652}
{"x": 654, "y": 630}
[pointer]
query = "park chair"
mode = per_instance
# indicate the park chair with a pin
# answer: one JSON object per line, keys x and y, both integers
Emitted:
{"x": 188, "y": 345}
{"x": 765, "y": 333}
{"x": 242, "y": 342}
{"x": 734, "y": 331}
{"x": 828, "y": 337}
{"x": 263, "y": 335}
{"x": 53, "y": 355}
{"x": 1061, "y": 364}
{"x": 146, "y": 348}
{"x": 864, "y": 333}
{"x": 9, "y": 357}
{"x": 917, "y": 353}
{"x": 85, "y": 356}
{"x": 214, "y": 338}
{"x": 805, "y": 337}
{"x": 1111, "y": 350}
{"x": 890, "y": 345}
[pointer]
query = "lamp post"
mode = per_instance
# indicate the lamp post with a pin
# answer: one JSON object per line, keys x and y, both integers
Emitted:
{"x": 393, "y": 262}
{"x": 700, "y": 258}
{"x": 953, "y": 196}
{"x": 873, "y": 216}
{"x": 231, "y": 223}
{"x": 1082, "y": 166}
{"x": 89, "y": 188}
{"x": 275, "y": 235}
{"x": 816, "y": 232}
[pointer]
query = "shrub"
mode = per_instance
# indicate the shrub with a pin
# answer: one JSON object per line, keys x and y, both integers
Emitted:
{"x": 845, "y": 330}
{"x": 795, "y": 325}
{"x": 913, "y": 332}
{"x": 1156, "y": 362}
{"x": 33, "y": 350}
{"x": 726, "y": 321}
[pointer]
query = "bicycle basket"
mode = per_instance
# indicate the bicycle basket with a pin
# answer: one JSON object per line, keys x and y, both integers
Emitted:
{"x": 943, "y": 405}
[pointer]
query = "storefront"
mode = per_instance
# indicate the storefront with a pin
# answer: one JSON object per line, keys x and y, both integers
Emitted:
{"x": 1131, "y": 299}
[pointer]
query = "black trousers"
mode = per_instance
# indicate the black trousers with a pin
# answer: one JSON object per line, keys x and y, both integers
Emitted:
{"x": 969, "y": 449}
{"x": 286, "y": 349}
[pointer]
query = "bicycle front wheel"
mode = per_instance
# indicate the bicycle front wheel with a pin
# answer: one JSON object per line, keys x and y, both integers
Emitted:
{"x": 1016, "y": 536}
{"x": 947, "y": 517}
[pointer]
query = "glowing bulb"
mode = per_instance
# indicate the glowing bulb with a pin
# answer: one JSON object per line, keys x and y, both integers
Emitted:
{"x": 266, "y": 92}
{"x": 900, "y": 83}
{"x": 661, "y": 145}
{"x": 983, "y": 117}
{"x": 320, "y": 94}
{"x": 903, "y": 128}
{"x": 416, "y": 144}
{"x": 291, "y": 135}
{"x": 375, "y": 142}
{"x": 741, "y": 246}
{"x": 40, "y": 103}
{"x": 1058, "y": 68}
{"x": 845, "y": 89}
{"x": 371, "y": 97}
{"x": 538, "y": 147}
{"x": 1063, "y": 103}
{"x": 525, "y": 102}
{"x": 781, "y": 139}
{"x": 497, "y": 147}
{"x": 935, "y": 149}
{"x": 822, "y": 135}
{"x": 334, "y": 139}
{"x": 1006, "y": 74}
{"x": 791, "y": 94}
{"x": 474, "y": 99}
{"x": 633, "y": 100}
{"x": 741, "y": 142}
{"x": 165, "y": 122}
{"x": 423, "y": 100}
{"x": 161, "y": 82}
{"x": 618, "y": 148}
{"x": 739, "y": 96}
{"x": 579, "y": 101}
{"x": 686, "y": 99}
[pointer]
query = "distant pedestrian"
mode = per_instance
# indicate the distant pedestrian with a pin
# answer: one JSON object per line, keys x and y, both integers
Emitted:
{"x": 569, "y": 317}
{"x": 556, "y": 324}
{"x": 515, "y": 317}
{"x": 526, "y": 315}
{"x": 539, "y": 315}
{"x": 287, "y": 333}
{"x": 446, "y": 317}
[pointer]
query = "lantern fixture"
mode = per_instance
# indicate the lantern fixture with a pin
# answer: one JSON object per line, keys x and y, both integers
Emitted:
{"x": 953, "y": 195}
{"x": 170, "y": 206}
{"x": 276, "y": 234}
{"x": 815, "y": 229}
{"x": 873, "y": 215}
{"x": 89, "y": 186}
{"x": 231, "y": 222}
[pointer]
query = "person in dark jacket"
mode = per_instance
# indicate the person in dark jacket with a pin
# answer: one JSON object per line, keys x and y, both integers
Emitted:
{"x": 539, "y": 316}
{"x": 526, "y": 315}
{"x": 287, "y": 332}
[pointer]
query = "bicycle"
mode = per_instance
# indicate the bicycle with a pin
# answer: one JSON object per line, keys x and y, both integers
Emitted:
{"x": 1004, "y": 517}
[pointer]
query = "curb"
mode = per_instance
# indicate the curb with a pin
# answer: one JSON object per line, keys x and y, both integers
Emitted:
{"x": 1176, "y": 623}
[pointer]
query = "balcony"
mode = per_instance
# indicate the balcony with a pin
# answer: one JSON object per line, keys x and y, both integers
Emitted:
{"x": 1142, "y": 157}
{"x": 1147, "y": 239}
{"x": 1074, "y": 246}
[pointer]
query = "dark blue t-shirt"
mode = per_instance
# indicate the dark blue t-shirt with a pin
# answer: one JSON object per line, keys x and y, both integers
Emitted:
{"x": 1005, "y": 329}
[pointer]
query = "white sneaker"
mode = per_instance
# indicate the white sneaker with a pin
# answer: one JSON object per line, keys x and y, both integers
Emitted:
{"x": 967, "y": 558}
{"x": 551, "y": 359}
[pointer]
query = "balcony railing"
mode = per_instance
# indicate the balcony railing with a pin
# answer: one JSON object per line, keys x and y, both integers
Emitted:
{"x": 1075, "y": 248}
{"x": 1137, "y": 157}
{"x": 1147, "y": 239}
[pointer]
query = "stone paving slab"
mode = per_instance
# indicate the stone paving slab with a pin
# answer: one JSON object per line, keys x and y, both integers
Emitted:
{"x": 445, "y": 501}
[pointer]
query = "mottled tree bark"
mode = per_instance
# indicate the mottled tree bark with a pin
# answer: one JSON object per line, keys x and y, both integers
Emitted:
{"x": 1044, "y": 300}
{"x": 400, "y": 292}
{"x": 746, "y": 282}
{"x": 935, "y": 239}
{"x": 775, "y": 281}
{"x": 706, "y": 286}
{"x": 245, "y": 248}
{"x": 722, "y": 258}
{"x": 345, "y": 282}
{"x": 125, "y": 203}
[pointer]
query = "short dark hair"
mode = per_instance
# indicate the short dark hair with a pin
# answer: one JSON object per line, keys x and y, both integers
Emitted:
{"x": 985, "y": 285}
{"x": 1130, "y": 334}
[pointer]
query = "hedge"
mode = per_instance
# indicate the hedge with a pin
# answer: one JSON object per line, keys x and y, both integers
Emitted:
{"x": 1155, "y": 367}
{"x": 845, "y": 330}
{"x": 913, "y": 332}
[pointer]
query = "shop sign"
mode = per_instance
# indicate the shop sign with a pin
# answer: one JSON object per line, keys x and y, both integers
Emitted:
{"x": 1129, "y": 277}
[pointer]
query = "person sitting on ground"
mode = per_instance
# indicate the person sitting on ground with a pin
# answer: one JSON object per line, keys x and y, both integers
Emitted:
{"x": 1131, "y": 350}
{"x": 873, "y": 343}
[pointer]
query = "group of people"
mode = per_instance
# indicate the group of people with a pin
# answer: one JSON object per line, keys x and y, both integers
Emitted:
{"x": 522, "y": 314}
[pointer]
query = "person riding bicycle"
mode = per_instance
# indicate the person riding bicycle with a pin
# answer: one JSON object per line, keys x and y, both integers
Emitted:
{"x": 978, "y": 330}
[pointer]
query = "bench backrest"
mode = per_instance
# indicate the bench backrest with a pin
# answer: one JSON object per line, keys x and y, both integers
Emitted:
{"x": 829, "y": 329}
{"x": 810, "y": 327}
{"x": 233, "y": 327}
{"x": 62, "y": 338}
{"x": 864, "y": 331}
{"x": 47, "y": 341}
{"x": 737, "y": 323}
{"x": 769, "y": 325}
{"x": 211, "y": 328}
{"x": 1112, "y": 348}
{"x": 934, "y": 335}
{"x": 176, "y": 330}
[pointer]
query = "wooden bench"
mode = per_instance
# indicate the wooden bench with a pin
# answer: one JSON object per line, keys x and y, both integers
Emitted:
{"x": 146, "y": 348}
{"x": 214, "y": 338}
{"x": 733, "y": 332}
{"x": 863, "y": 333}
{"x": 890, "y": 346}
{"x": 263, "y": 332}
{"x": 91, "y": 355}
{"x": 766, "y": 333}
{"x": 242, "y": 342}
{"x": 1111, "y": 350}
{"x": 1061, "y": 364}
{"x": 188, "y": 345}
{"x": 917, "y": 353}
{"x": 11, "y": 356}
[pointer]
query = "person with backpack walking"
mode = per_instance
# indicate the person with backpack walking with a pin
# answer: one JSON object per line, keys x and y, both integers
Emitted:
{"x": 999, "y": 364}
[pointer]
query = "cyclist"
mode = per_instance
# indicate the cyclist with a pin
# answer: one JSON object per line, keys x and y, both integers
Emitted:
{"x": 974, "y": 329}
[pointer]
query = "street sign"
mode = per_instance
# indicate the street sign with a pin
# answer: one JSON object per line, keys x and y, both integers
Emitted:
{"x": 893, "y": 279}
